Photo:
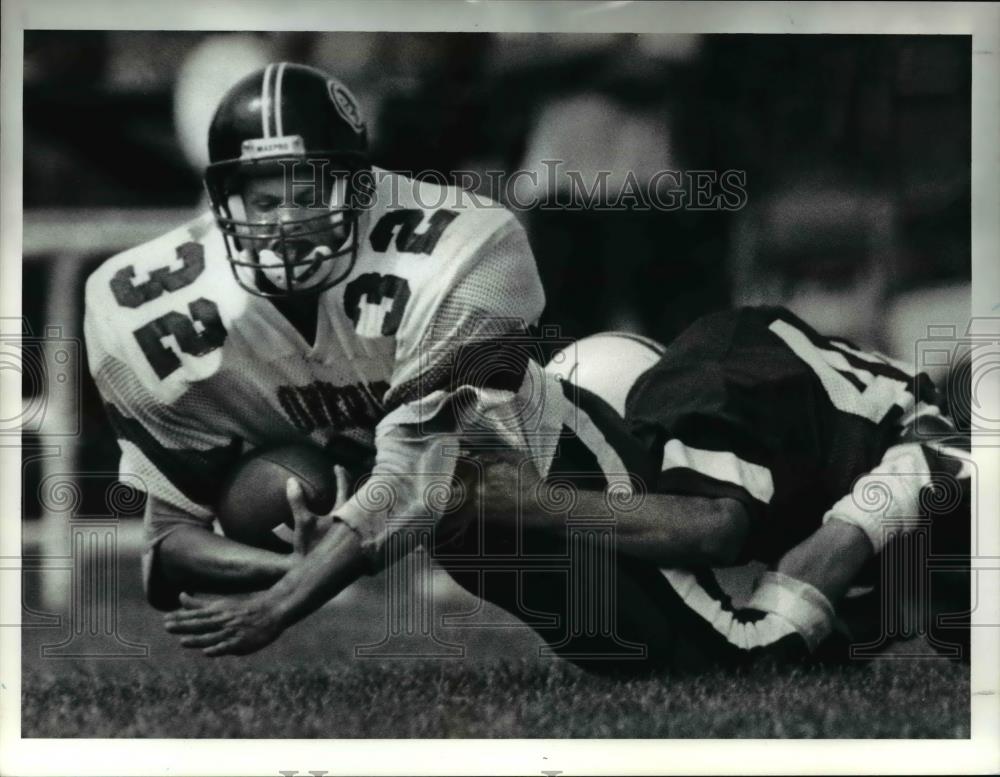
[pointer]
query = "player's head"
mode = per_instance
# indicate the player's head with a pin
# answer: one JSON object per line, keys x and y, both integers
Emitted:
{"x": 288, "y": 150}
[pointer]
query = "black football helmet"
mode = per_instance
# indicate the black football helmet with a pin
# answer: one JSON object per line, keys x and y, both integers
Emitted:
{"x": 288, "y": 120}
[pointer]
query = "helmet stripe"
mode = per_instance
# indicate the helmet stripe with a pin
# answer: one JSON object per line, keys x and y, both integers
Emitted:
{"x": 277, "y": 100}
{"x": 265, "y": 102}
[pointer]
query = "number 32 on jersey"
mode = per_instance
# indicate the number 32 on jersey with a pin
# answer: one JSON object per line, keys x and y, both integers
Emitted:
{"x": 374, "y": 302}
{"x": 197, "y": 332}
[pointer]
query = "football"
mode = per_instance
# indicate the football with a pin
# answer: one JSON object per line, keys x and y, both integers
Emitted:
{"x": 253, "y": 508}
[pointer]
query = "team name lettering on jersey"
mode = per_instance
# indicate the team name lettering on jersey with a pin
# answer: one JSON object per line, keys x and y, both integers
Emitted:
{"x": 320, "y": 404}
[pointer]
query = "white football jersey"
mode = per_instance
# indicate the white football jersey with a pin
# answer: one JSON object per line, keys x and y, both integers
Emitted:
{"x": 195, "y": 370}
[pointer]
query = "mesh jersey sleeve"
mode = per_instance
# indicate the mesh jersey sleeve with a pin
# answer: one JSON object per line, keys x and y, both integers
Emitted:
{"x": 472, "y": 371}
{"x": 491, "y": 307}
{"x": 168, "y": 449}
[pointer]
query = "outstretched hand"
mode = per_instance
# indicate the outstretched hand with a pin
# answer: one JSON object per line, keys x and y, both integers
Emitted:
{"x": 235, "y": 624}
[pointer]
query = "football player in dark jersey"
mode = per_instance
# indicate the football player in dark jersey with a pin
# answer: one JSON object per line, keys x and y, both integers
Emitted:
{"x": 837, "y": 458}
{"x": 749, "y": 419}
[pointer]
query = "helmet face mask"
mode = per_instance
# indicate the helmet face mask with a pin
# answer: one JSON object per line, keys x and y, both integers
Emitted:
{"x": 284, "y": 239}
{"x": 287, "y": 145}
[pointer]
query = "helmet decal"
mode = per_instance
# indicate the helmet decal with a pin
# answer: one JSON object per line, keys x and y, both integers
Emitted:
{"x": 345, "y": 104}
{"x": 261, "y": 148}
{"x": 266, "y": 102}
{"x": 276, "y": 102}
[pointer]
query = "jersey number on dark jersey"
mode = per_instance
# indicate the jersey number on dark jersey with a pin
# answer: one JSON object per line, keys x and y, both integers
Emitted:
{"x": 851, "y": 389}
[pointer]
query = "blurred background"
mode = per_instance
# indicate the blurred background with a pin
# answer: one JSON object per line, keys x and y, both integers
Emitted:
{"x": 856, "y": 151}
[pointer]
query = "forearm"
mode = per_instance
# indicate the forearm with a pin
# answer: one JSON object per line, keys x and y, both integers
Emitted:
{"x": 666, "y": 529}
{"x": 332, "y": 565}
{"x": 810, "y": 579}
{"x": 829, "y": 559}
{"x": 192, "y": 559}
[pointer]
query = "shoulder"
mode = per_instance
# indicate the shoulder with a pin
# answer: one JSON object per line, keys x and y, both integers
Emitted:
{"x": 139, "y": 275}
{"x": 139, "y": 298}
{"x": 435, "y": 217}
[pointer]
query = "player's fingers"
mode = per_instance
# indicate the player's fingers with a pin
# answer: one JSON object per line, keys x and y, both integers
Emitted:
{"x": 206, "y": 640}
{"x": 196, "y": 607}
{"x": 343, "y": 487}
{"x": 192, "y": 602}
{"x": 210, "y": 611}
{"x": 305, "y": 520}
{"x": 199, "y": 626}
{"x": 202, "y": 613}
{"x": 296, "y": 499}
{"x": 229, "y": 646}
{"x": 173, "y": 618}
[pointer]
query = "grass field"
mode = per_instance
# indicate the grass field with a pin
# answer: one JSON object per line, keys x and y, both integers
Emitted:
{"x": 502, "y": 699}
{"x": 311, "y": 684}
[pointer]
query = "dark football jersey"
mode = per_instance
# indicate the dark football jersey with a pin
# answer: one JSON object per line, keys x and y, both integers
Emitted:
{"x": 750, "y": 404}
{"x": 755, "y": 405}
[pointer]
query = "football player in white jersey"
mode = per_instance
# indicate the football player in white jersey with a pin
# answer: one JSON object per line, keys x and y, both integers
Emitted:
{"x": 322, "y": 300}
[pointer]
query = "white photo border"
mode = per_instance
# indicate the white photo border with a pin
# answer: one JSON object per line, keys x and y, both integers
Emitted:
{"x": 980, "y": 753}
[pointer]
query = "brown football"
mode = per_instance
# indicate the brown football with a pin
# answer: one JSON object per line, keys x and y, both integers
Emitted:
{"x": 253, "y": 504}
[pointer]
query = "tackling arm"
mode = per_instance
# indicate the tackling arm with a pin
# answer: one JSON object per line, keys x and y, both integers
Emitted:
{"x": 668, "y": 530}
{"x": 674, "y": 531}
{"x": 829, "y": 559}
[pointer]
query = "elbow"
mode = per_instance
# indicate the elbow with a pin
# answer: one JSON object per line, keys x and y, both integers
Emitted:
{"x": 723, "y": 545}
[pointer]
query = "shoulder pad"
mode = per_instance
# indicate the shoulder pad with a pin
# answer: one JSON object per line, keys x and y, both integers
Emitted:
{"x": 410, "y": 218}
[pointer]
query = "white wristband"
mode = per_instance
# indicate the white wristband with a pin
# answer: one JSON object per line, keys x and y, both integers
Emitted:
{"x": 804, "y": 606}
{"x": 888, "y": 497}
